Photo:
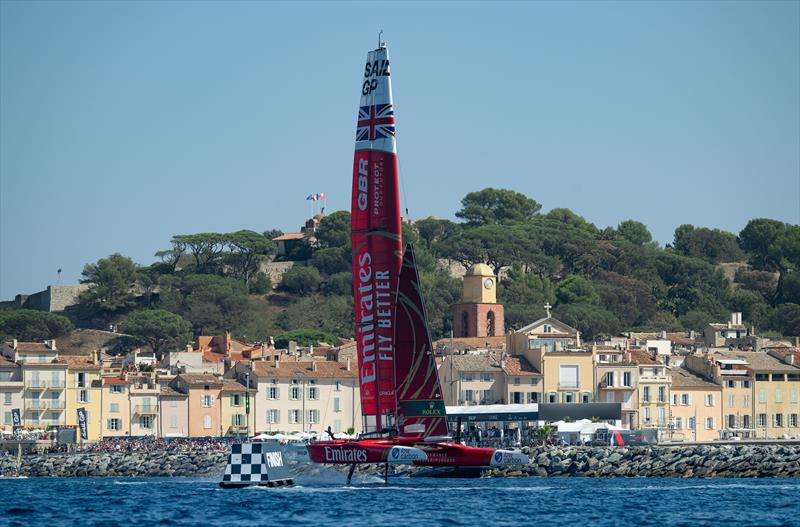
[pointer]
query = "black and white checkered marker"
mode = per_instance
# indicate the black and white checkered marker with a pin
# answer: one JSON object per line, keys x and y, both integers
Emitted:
{"x": 256, "y": 464}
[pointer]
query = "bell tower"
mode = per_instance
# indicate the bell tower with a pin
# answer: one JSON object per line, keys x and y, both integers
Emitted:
{"x": 479, "y": 314}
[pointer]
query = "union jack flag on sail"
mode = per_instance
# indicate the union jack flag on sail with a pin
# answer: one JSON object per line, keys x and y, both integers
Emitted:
{"x": 375, "y": 122}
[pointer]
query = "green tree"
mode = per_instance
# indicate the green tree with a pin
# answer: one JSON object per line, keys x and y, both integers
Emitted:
{"x": 712, "y": 245}
{"x": 111, "y": 282}
{"x": 260, "y": 284}
{"x": 205, "y": 247}
{"x": 158, "y": 328}
{"x": 497, "y": 206}
{"x": 28, "y": 325}
{"x": 786, "y": 319}
{"x": 301, "y": 280}
{"x": 524, "y": 296}
{"x": 635, "y": 232}
{"x": 331, "y": 314}
{"x": 696, "y": 320}
{"x": 569, "y": 218}
{"x": 247, "y": 248}
{"x": 544, "y": 433}
{"x": 338, "y": 284}
{"x": 434, "y": 230}
{"x": 212, "y": 303}
{"x": 334, "y": 230}
{"x": 576, "y": 289}
{"x": 591, "y": 320}
{"x": 331, "y": 260}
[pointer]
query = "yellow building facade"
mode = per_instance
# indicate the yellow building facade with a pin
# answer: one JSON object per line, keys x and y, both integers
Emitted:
{"x": 695, "y": 407}
{"x": 116, "y": 407}
{"x": 84, "y": 390}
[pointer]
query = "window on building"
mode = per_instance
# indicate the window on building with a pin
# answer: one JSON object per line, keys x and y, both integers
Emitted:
{"x": 464, "y": 324}
{"x": 490, "y": 329}
{"x": 675, "y": 399}
{"x": 7, "y": 418}
{"x": 117, "y": 388}
{"x": 662, "y": 415}
{"x": 236, "y": 399}
{"x": 692, "y": 423}
{"x": 685, "y": 399}
{"x": 173, "y": 421}
{"x": 552, "y": 397}
{"x": 569, "y": 397}
{"x": 273, "y": 393}
{"x": 83, "y": 396}
{"x": 731, "y": 421}
{"x": 517, "y": 397}
{"x": 610, "y": 379}
{"x": 745, "y": 421}
{"x": 114, "y": 407}
{"x": 294, "y": 416}
{"x": 114, "y": 424}
{"x": 778, "y": 396}
{"x": 207, "y": 422}
{"x": 709, "y": 423}
{"x": 534, "y": 380}
{"x": 238, "y": 420}
{"x": 6, "y": 397}
{"x": 745, "y": 384}
{"x": 487, "y": 397}
{"x": 467, "y": 377}
{"x": 338, "y": 386}
{"x": 793, "y": 395}
{"x": 146, "y": 421}
{"x": 486, "y": 377}
{"x": 730, "y": 384}
{"x": 646, "y": 415}
{"x": 35, "y": 418}
{"x": 646, "y": 394}
{"x": 568, "y": 376}
{"x": 626, "y": 379}
{"x": 337, "y": 405}
{"x": 516, "y": 381}
{"x": 762, "y": 395}
{"x": 273, "y": 416}
{"x": 533, "y": 397}
{"x": 762, "y": 376}
{"x": 313, "y": 417}
{"x": 793, "y": 420}
{"x": 778, "y": 376}
{"x": 586, "y": 397}
{"x": 777, "y": 420}
{"x": 469, "y": 396}
{"x": 294, "y": 393}
{"x": 81, "y": 378}
{"x": 313, "y": 393}
{"x": 746, "y": 401}
{"x": 679, "y": 423}
{"x": 548, "y": 328}
{"x": 762, "y": 420}
{"x": 731, "y": 401}
{"x": 709, "y": 399}
{"x": 206, "y": 400}
{"x": 662, "y": 394}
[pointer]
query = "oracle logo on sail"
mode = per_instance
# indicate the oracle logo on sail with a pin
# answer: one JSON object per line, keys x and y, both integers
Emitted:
{"x": 349, "y": 455}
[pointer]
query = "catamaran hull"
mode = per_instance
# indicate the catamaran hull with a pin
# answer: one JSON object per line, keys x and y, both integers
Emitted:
{"x": 420, "y": 454}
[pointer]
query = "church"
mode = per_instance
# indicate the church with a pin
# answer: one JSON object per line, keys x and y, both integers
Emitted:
{"x": 479, "y": 314}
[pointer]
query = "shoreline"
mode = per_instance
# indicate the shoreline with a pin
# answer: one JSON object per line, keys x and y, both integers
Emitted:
{"x": 693, "y": 461}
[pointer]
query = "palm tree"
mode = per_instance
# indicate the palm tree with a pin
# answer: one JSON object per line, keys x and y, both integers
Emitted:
{"x": 544, "y": 433}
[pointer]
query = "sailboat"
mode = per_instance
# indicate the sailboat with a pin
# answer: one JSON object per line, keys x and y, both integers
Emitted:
{"x": 405, "y": 421}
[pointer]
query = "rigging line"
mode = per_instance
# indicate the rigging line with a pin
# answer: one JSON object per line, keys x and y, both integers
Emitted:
{"x": 400, "y": 176}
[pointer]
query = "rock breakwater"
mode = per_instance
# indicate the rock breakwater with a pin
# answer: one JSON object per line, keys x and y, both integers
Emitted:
{"x": 729, "y": 461}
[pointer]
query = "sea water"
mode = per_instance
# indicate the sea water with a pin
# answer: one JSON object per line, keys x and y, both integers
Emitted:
{"x": 326, "y": 500}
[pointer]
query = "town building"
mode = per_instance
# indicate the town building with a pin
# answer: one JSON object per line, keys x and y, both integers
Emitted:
{"x": 617, "y": 382}
{"x": 653, "y": 393}
{"x": 203, "y": 394}
{"x": 696, "y": 407}
{"x": 233, "y": 407}
{"x": 174, "y": 412}
{"x": 44, "y": 378}
{"x": 479, "y": 314}
{"x": 302, "y": 396}
{"x": 733, "y": 333}
{"x": 11, "y": 390}
{"x": 116, "y": 411}
{"x": 84, "y": 389}
{"x": 143, "y": 395}
{"x": 473, "y": 379}
{"x": 523, "y": 381}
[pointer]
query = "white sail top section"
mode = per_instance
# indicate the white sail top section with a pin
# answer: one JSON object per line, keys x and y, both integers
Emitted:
{"x": 375, "y": 129}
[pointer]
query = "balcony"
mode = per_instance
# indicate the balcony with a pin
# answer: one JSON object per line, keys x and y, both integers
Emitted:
{"x": 237, "y": 430}
{"x": 145, "y": 410}
{"x": 35, "y": 384}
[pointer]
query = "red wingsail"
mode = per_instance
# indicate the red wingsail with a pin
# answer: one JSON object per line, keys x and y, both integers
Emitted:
{"x": 420, "y": 406}
{"x": 375, "y": 223}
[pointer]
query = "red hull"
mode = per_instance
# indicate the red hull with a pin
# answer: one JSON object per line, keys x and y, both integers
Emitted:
{"x": 439, "y": 454}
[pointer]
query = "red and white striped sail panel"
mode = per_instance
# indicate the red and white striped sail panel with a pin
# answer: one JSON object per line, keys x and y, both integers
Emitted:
{"x": 377, "y": 246}
{"x": 420, "y": 403}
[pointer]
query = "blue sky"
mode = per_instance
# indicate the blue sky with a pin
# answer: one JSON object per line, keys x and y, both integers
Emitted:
{"x": 123, "y": 123}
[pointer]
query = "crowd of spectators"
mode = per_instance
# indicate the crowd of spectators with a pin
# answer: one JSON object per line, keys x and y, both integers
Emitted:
{"x": 152, "y": 444}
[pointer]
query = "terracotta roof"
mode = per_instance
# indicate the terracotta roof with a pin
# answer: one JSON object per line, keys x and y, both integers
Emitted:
{"x": 461, "y": 343}
{"x": 114, "y": 380}
{"x": 475, "y": 363}
{"x": 40, "y": 347}
{"x": 517, "y": 365}
{"x": 169, "y": 392}
{"x": 759, "y": 361}
{"x": 212, "y": 356}
{"x": 642, "y": 357}
{"x": 200, "y": 378}
{"x": 682, "y": 378}
{"x": 324, "y": 369}
{"x": 5, "y": 363}
{"x": 289, "y": 236}
{"x": 78, "y": 362}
